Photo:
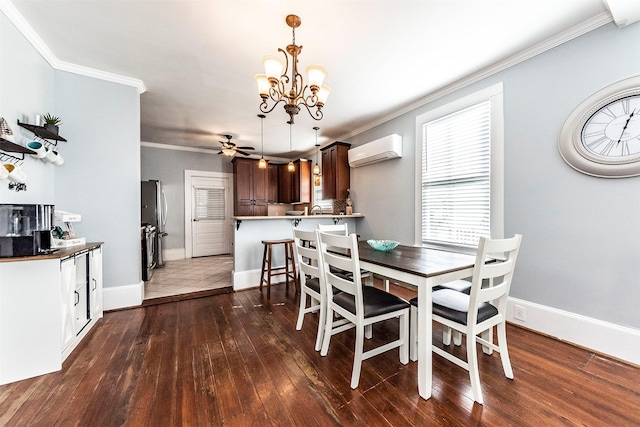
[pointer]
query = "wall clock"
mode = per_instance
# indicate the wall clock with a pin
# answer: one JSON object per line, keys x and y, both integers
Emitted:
{"x": 601, "y": 137}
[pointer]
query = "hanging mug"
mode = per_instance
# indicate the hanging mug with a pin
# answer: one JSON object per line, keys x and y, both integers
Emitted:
{"x": 38, "y": 148}
{"x": 59, "y": 161}
{"x": 51, "y": 155}
{"x": 16, "y": 174}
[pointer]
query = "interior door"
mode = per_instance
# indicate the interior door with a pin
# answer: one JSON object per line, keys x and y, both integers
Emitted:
{"x": 211, "y": 220}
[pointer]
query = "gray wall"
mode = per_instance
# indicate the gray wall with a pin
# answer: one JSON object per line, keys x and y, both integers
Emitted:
{"x": 168, "y": 166}
{"x": 100, "y": 176}
{"x": 581, "y": 235}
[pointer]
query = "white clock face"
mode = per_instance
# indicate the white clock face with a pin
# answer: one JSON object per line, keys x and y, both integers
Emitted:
{"x": 613, "y": 131}
{"x": 601, "y": 136}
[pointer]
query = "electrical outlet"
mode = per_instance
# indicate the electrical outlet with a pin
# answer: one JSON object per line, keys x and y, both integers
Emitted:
{"x": 519, "y": 313}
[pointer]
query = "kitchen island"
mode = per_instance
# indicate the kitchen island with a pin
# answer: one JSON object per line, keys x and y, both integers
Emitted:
{"x": 250, "y": 231}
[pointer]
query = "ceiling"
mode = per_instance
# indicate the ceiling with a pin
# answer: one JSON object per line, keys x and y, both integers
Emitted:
{"x": 197, "y": 58}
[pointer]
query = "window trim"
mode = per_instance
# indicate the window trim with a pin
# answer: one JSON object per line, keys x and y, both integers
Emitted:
{"x": 493, "y": 93}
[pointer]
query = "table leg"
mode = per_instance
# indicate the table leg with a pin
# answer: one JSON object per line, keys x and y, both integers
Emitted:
{"x": 424, "y": 340}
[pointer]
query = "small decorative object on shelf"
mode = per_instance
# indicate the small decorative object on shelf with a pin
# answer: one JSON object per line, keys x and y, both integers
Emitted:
{"x": 349, "y": 209}
{"x": 5, "y": 131}
{"x": 52, "y": 123}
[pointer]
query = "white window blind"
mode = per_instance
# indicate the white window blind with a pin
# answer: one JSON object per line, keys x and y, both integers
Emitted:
{"x": 456, "y": 182}
{"x": 209, "y": 203}
{"x": 326, "y": 205}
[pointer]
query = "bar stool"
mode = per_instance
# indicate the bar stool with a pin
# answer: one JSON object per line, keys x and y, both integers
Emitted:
{"x": 288, "y": 270}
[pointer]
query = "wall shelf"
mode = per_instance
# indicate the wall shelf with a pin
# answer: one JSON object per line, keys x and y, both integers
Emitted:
{"x": 42, "y": 132}
{"x": 10, "y": 147}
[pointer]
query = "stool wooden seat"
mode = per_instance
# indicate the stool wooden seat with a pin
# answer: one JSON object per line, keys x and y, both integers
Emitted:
{"x": 288, "y": 270}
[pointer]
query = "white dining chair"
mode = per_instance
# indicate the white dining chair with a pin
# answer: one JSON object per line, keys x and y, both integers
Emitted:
{"x": 343, "y": 230}
{"x": 311, "y": 280}
{"x": 477, "y": 313}
{"x": 361, "y": 306}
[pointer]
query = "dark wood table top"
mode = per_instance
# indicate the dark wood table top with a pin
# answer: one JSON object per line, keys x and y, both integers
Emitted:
{"x": 425, "y": 262}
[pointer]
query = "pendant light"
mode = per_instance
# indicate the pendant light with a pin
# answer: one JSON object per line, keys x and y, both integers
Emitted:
{"x": 290, "y": 167}
{"x": 262, "y": 164}
{"x": 316, "y": 167}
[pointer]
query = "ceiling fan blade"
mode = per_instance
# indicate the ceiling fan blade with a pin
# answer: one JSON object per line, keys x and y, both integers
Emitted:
{"x": 245, "y": 148}
{"x": 242, "y": 152}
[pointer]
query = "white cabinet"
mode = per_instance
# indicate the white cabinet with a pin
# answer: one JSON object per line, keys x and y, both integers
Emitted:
{"x": 67, "y": 287}
{"x": 81, "y": 286}
{"x": 47, "y": 306}
{"x": 95, "y": 285}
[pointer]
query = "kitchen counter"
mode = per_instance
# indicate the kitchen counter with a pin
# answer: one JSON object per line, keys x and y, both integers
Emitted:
{"x": 58, "y": 254}
{"x": 248, "y": 218}
{"x": 250, "y": 231}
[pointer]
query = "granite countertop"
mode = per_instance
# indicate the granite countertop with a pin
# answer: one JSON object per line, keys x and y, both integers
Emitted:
{"x": 59, "y": 254}
{"x": 292, "y": 217}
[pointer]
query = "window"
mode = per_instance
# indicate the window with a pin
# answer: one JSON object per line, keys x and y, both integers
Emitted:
{"x": 326, "y": 205}
{"x": 209, "y": 204}
{"x": 460, "y": 178}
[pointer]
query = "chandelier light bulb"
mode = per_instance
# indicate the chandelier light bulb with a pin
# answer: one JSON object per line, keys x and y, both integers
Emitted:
{"x": 291, "y": 167}
{"x": 262, "y": 164}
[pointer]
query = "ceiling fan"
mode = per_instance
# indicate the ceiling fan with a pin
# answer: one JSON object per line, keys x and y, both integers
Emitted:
{"x": 230, "y": 149}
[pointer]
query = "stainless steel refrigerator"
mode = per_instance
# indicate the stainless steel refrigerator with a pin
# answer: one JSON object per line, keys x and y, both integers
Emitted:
{"x": 154, "y": 212}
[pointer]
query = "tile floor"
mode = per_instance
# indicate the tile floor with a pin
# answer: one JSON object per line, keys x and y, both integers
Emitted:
{"x": 190, "y": 275}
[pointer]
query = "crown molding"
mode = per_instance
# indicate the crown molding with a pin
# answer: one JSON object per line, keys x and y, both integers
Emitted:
{"x": 32, "y": 37}
{"x": 591, "y": 24}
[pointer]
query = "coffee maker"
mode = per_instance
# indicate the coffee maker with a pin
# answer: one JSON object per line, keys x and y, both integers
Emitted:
{"x": 25, "y": 230}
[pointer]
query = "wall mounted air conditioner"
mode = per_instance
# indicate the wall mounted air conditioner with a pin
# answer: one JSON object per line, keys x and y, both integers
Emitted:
{"x": 389, "y": 147}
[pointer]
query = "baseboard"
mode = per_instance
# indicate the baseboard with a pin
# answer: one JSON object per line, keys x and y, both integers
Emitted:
{"x": 246, "y": 279}
{"x": 116, "y": 297}
{"x": 614, "y": 340}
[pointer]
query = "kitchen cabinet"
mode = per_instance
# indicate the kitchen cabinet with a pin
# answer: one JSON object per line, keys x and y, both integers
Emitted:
{"x": 95, "y": 285}
{"x": 335, "y": 171}
{"x": 295, "y": 187}
{"x": 48, "y": 303}
{"x": 272, "y": 171}
{"x": 67, "y": 288}
{"x": 251, "y": 188}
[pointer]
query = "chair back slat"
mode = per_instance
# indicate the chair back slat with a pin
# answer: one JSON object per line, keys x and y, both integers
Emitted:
{"x": 306, "y": 256}
{"x": 499, "y": 273}
{"x": 339, "y": 229}
{"x": 341, "y": 253}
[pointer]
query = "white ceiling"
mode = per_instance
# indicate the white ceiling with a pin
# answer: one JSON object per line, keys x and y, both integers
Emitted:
{"x": 197, "y": 58}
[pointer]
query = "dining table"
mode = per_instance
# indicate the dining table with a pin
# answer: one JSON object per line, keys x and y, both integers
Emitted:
{"x": 422, "y": 268}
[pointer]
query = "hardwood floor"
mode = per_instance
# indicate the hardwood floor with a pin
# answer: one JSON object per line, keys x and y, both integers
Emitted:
{"x": 236, "y": 359}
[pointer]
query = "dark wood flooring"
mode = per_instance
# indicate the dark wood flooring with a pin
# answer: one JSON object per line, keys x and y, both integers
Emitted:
{"x": 236, "y": 359}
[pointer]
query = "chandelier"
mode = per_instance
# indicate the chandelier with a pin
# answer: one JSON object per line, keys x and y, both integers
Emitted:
{"x": 277, "y": 86}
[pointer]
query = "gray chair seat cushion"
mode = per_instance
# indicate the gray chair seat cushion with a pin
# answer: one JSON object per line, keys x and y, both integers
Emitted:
{"x": 376, "y": 301}
{"x": 453, "y": 305}
{"x": 313, "y": 283}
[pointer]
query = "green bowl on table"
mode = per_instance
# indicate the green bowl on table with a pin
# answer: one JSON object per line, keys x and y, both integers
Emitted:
{"x": 383, "y": 245}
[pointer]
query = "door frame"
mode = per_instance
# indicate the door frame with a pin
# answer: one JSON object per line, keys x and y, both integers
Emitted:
{"x": 188, "y": 221}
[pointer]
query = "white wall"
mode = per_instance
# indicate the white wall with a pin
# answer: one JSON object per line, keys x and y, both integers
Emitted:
{"x": 26, "y": 89}
{"x": 101, "y": 174}
{"x": 581, "y": 243}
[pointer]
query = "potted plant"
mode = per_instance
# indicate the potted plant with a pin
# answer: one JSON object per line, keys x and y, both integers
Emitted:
{"x": 52, "y": 123}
